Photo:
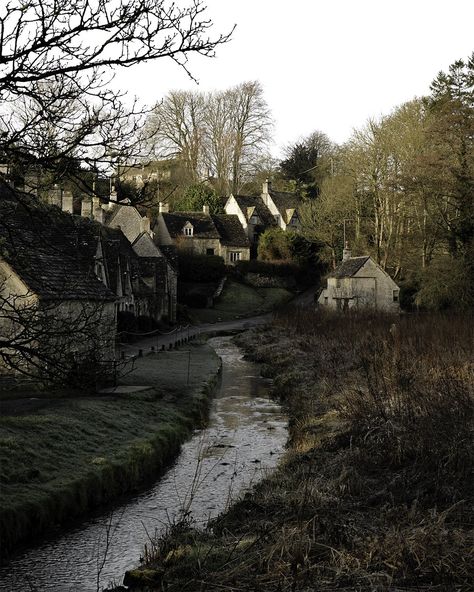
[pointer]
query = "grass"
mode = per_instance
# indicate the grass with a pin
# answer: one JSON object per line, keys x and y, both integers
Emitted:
{"x": 375, "y": 493}
{"x": 63, "y": 457}
{"x": 239, "y": 300}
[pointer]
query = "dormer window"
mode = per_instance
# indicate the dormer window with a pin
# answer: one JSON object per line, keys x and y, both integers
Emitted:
{"x": 188, "y": 229}
{"x": 253, "y": 219}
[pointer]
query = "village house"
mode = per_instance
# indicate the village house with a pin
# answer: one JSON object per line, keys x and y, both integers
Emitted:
{"x": 252, "y": 213}
{"x": 360, "y": 283}
{"x": 283, "y": 206}
{"x": 158, "y": 265}
{"x": 200, "y": 233}
{"x": 143, "y": 278}
{"x": 270, "y": 209}
{"x": 54, "y": 307}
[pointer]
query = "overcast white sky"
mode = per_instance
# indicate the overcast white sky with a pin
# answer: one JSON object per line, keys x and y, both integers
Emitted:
{"x": 324, "y": 64}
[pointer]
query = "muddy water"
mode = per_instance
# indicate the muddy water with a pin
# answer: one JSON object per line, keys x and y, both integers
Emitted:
{"x": 244, "y": 439}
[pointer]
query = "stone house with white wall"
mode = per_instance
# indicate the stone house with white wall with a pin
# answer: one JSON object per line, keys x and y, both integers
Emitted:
{"x": 252, "y": 213}
{"x": 283, "y": 206}
{"x": 270, "y": 209}
{"x": 360, "y": 283}
{"x": 200, "y": 233}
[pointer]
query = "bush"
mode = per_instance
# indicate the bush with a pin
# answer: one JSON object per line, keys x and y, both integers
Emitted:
{"x": 201, "y": 268}
{"x": 446, "y": 284}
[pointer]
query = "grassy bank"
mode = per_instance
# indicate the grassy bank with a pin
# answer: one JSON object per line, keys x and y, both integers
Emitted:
{"x": 60, "y": 457}
{"x": 240, "y": 300}
{"x": 376, "y": 489}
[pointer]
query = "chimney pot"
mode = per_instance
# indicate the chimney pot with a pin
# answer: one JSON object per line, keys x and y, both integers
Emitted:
{"x": 97, "y": 211}
{"x": 67, "y": 203}
{"x": 267, "y": 186}
{"x": 86, "y": 207}
{"x": 346, "y": 253}
{"x": 163, "y": 208}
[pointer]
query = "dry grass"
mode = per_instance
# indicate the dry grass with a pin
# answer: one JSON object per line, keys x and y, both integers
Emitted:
{"x": 376, "y": 491}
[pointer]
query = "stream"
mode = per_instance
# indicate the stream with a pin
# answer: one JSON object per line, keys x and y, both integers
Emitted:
{"x": 243, "y": 440}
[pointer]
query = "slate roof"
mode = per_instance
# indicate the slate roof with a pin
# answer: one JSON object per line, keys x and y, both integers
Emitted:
{"x": 285, "y": 201}
{"x": 349, "y": 267}
{"x": 144, "y": 246}
{"x": 203, "y": 224}
{"x": 231, "y": 231}
{"x": 247, "y": 201}
{"x": 45, "y": 249}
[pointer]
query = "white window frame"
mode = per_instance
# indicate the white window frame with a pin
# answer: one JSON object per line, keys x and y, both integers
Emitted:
{"x": 235, "y": 256}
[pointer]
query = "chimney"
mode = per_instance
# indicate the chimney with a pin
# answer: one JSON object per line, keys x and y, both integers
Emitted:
{"x": 54, "y": 196}
{"x": 145, "y": 225}
{"x": 86, "y": 207}
{"x": 267, "y": 187}
{"x": 346, "y": 253}
{"x": 67, "y": 202}
{"x": 205, "y": 210}
{"x": 97, "y": 211}
{"x": 112, "y": 197}
{"x": 163, "y": 208}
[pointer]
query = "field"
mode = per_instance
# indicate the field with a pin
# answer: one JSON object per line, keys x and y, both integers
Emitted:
{"x": 375, "y": 493}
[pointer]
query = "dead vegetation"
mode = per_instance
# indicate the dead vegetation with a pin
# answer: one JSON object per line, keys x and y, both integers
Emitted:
{"x": 376, "y": 490}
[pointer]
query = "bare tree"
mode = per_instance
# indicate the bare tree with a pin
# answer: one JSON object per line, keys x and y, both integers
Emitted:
{"x": 221, "y": 135}
{"x": 58, "y": 58}
{"x": 177, "y": 127}
{"x": 252, "y": 124}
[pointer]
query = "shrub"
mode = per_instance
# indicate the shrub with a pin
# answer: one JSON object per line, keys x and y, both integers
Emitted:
{"x": 200, "y": 268}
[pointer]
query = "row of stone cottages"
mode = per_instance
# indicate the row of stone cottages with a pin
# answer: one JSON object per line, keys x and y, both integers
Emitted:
{"x": 108, "y": 254}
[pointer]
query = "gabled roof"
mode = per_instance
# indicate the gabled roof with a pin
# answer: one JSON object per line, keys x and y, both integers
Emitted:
{"x": 349, "y": 267}
{"x": 144, "y": 246}
{"x": 230, "y": 230}
{"x": 44, "y": 248}
{"x": 203, "y": 226}
{"x": 286, "y": 203}
{"x": 255, "y": 205}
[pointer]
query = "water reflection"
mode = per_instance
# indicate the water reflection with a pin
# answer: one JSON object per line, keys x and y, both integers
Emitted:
{"x": 245, "y": 438}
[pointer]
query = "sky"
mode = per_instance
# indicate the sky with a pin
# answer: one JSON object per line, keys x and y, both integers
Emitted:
{"x": 324, "y": 65}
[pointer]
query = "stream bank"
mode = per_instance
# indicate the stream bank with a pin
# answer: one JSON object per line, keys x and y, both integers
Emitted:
{"x": 242, "y": 441}
{"x": 62, "y": 457}
{"x": 375, "y": 492}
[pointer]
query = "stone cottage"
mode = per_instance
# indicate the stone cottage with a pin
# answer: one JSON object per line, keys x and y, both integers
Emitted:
{"x": 270, "y": 209}
{"x": 358, "y": 283}
{"x": 283, "y": 206}
{"x": 200, "y": 233}
{"x": 55, "y": 311}
{"x": 252, "y": 213}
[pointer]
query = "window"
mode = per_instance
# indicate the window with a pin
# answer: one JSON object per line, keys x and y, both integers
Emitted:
{"x": 395, "y": 295}
{"x": 209, "y": 251}
{"x": 234, "y": 256}
{"x": 326, "y": 300}
{"x": 253, "y": 219}
{"x": 188, "y": 231}
{"x": 277, "y": 218}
